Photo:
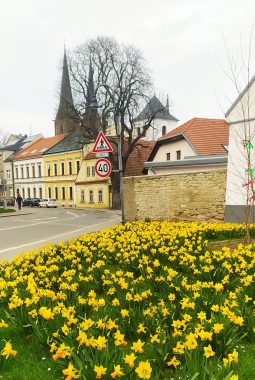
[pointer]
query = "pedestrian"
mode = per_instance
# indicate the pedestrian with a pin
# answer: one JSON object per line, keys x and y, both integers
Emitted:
{"x": 19, "y": 200}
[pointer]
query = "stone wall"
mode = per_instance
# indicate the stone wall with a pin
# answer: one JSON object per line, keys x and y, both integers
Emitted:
{"x": 196, "y": 196}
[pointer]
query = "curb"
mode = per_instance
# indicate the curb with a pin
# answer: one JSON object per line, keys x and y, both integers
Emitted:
{"x": 16, "y": 213}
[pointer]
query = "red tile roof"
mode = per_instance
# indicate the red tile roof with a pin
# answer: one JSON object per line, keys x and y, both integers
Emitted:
{"x": 136, "y": 159}
{"x": 206, "y": 135}
{"x": 38, "y": 147}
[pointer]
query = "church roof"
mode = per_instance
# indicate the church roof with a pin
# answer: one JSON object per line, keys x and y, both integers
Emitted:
{"x": 155, "y": 107}
{"x": 65, "y": 92}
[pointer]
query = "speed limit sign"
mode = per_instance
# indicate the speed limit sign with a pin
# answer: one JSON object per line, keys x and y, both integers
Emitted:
{"x": 103, "y": 167}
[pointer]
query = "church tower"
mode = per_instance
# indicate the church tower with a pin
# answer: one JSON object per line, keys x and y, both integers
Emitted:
{"x": 91, "y": 122}
{"x": 65, "y": 118}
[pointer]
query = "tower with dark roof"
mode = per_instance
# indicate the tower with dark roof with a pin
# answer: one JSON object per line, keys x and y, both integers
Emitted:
{"x": 65, "y": 117}
{"x": 92, "y": 123}
{"x": 163, "y": 122}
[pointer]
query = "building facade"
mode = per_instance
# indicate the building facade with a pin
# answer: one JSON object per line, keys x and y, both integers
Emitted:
{"x": 62, "y": 164}
{"x": 28, "y": 168}
{"x": 6, "y": 163}
{"x": 199, "y": 141}
{"x": 240, "y": 184}
{"x": 91, "y": 190}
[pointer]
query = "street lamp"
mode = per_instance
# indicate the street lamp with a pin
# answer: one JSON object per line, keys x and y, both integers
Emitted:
{"x": 116, "y": 112}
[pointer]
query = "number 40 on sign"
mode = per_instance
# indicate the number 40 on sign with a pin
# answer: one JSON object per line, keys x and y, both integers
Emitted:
{"x": 103, "y": 167}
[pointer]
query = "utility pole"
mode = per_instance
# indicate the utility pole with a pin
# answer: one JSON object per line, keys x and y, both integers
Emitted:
{"x": 119, "y": 135}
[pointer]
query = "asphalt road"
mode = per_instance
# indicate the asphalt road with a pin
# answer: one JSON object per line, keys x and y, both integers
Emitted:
{"x": 20, "y": 233}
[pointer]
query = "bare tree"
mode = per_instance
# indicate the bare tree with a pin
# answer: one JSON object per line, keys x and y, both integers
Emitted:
{"x": 3, "y": 137}
{"x": 122, "y": 86}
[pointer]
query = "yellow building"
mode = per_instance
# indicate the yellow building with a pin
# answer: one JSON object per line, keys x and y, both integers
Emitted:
{"x": 61, "y": 165}
{"x": 92, "y": 190}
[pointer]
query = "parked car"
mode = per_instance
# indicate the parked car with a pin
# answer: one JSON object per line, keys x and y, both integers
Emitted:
{"x": 31, "y": 202}
{"x": 9, "y": 201}
{"x": 48, "y": 202}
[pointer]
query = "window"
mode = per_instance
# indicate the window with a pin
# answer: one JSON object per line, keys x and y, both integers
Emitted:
{"x": 63, "y": 193}
{"x": 62, "y": 168}
{"x": 93, "y": 171}
{"x": 56, "y": 192}
{"x": 8, "y": 174}
{"x": 55, "y": 168}
{"x": 23, "y": 193}
{"x": 70, "y": 193}
{"x": 33, "y": 172}
{"x": 77, "y": 166}
{"x": 48, "y": 171}
{"x": 40, "y": 192}
{"x": 49, "y": 192}
{"x": 28, "y": 173}
{"x": 34, "y": 192}
{"x": 163, "y": 130}
{"x": 168, "y": 156}
{"x": 82, "y": 196}
{"x": 22, "y": 172}
{"x": 91, "y": 196}
{"x": 88, "y": 171}
{"x": 17, "y": 172}
{"x": 100, "y": 196}
{"x": 28, "y": 192}
{"x": 70, "y": 167}
{"x": 39, "y": 171}
{"x": 178, "y": 155}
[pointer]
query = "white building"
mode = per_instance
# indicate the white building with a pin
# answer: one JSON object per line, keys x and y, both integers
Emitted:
{"x": 163, "y": 122}
{"x": 6, "y": 165}
{"x": 28, "y": 165}
{"x": 199, "y": 144}
{"x": 241, "y": 117}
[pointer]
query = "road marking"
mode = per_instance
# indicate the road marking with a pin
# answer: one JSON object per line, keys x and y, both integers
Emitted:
{"x": 72, "y": 213}
{"x": 51, "y": 217}
{"x": 33, "y": 224}
{"x": 23, "y": 245}
{"x": 53, "y": 237}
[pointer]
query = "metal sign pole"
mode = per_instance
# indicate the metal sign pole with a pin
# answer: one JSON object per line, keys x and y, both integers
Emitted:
{"x": 120, "y": 167}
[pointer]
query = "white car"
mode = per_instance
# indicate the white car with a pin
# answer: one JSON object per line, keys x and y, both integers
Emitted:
{"x": 48, "y": 202}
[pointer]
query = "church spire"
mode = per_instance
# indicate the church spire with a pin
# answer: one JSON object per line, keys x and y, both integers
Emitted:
{"x": 91, "y": 97}
{"x": 167, "y": 104}
{"x": 64, "y": 122}
{"x": 92, "y": 122}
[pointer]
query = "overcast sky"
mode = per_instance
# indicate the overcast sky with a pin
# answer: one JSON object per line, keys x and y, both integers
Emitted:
{"x": 182, "y": 41}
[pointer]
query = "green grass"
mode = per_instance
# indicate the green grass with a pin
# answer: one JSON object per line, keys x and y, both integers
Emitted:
{"x": 246, "y": 366}
{"x": 32, "y": 361}
{"x": 6, "y": 210}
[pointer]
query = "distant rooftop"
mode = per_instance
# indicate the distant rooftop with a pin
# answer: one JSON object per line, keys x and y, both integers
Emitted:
{"x": 36, "y": 148}
{"x": 156, "y": 108}
{"x": 72, "y": 142}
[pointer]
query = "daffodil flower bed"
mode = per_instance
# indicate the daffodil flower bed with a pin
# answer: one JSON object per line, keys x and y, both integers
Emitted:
{"x": 138, "y": 301}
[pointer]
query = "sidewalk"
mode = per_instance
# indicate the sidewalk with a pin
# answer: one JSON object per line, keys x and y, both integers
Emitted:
{"x": 33, "y": 210}
{"x": 18, "y": 212}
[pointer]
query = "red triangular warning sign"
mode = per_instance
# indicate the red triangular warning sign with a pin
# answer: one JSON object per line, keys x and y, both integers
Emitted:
{"x": 101, "y": 144}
